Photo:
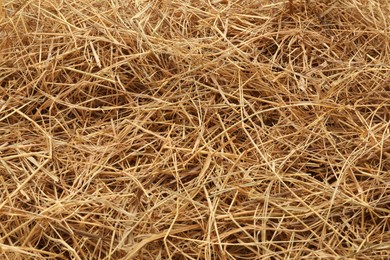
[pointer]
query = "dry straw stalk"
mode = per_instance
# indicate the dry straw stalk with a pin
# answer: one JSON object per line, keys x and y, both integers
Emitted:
{"x": 194, "y": 129}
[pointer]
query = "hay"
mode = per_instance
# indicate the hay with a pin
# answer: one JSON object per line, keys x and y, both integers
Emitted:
{"x": 194, "y": 129}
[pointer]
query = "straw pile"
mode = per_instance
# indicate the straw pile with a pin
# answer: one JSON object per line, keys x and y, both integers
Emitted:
{"x": 194, "y": 129}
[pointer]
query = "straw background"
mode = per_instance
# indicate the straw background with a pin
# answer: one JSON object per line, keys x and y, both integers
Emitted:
{"x": 194, "y": 129}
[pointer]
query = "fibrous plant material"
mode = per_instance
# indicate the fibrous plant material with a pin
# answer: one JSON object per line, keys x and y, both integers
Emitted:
{"x": 194, "y": 129}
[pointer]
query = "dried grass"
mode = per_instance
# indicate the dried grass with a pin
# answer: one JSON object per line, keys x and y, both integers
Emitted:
{"x": 195, "y": 129}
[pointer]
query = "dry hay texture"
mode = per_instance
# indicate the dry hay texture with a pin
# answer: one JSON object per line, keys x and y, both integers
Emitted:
{"x": 194, "y": 129}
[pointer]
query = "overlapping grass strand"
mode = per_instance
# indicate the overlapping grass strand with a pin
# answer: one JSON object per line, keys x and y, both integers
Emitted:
{"x": 194, "y": 129}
